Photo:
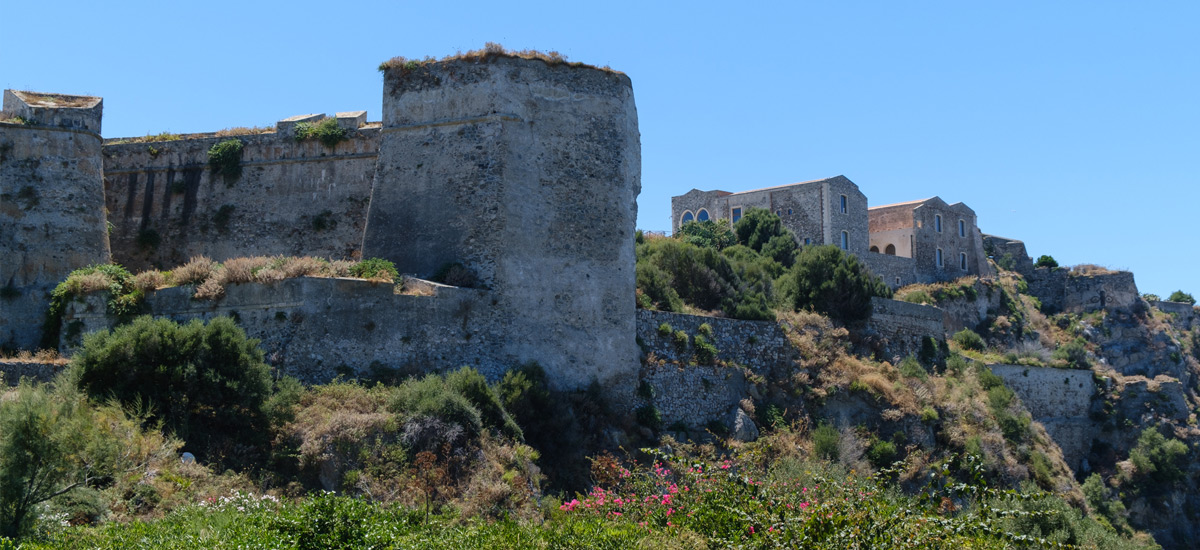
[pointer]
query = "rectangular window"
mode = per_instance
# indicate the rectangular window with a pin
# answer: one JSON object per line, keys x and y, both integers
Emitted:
{"x": 737, "y": 214}
{"x": 962, "y": 261}
{"x": 937, "y": 224}
{"x": 843, "y": 204}
{"x": 845, "y": 241}
{"x": 962, "y": 228}
{"x": 807, "y": 241}
{"x": 939, "y": 257}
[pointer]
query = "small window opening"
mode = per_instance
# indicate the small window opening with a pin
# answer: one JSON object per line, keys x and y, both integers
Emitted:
{"x": 937, "y": 223}
{"x": 843, "y": 204}
{"x": 737, "y": 214}
{"x": 962, "y": 228}
{"x": 874, "y": 249}
{"x": 789, "y": 211}
{"x": 845, "y": 241}
{"x": 962, "y": 261}
{"x": 939, "y": 258}
{"x": 890, "y": 250}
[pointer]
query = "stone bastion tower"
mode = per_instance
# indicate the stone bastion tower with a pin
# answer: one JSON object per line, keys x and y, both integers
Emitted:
{"x": 51, "y": 204}
{"x": 525, "y": 172}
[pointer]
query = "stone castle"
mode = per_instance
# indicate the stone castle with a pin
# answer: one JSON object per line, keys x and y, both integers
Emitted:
{"x": 524, "y": 171}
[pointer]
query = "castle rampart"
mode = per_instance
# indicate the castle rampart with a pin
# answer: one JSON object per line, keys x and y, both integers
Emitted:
{"x": 293, "y": 198}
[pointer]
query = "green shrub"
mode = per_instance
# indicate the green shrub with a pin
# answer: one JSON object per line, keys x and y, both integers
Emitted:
{"x": 705, "y": 329}
{"x": 1158, "y": 458}
{"x": 917, "y": 297}
{"x": 1074, "y": 353}
{"x": 680, "y": 339}
{"x": 1043, "y": 472}
{"x": 706, "y": 352}
{"x": 882, "y": 453}
{"x": 1181, "y": 296}
{"x": 830, "y": 281}
{"x": 665, "y": 330}
{"x": 205, "y": 382}
{"x": 432, "y": 397}
{"x": 326, "y": 131}
{"x": 968, "y": 339}
{"x": 763, "y": 232}
{"x": 826, "y": 440}
{"x": 989, "y": 379}
{"x": 957, "y": 364}
{"x": 929, "y": 415}
{"x": 375, "y": 268}
{"x": 649, "y": 416}
{"x": 910, "y": 367}
{"x": 124, "y": 297}
{"x": 712, "y": 234}
{"x": 472, "y": 385}
{"x": 1046, "y": 260}
{"x": 225, "y": 158}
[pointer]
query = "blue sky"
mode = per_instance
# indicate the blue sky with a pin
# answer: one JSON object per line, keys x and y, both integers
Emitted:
{"x": 1074, "y": 126}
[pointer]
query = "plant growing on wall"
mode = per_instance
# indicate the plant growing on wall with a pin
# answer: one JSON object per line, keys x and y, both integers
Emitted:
{"x": 327, "y": 132}
{"x": 225, "y": 158}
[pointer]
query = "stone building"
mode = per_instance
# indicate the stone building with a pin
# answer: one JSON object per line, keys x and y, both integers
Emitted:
{"x": 918, "y": 241}
{"x": 826, "y": 211}
{"x": 942, "y": 241}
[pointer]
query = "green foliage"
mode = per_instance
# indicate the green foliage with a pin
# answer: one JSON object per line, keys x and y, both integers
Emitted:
{"x": 326, "y": 131}
{"x": 957, "y": 365}
{"x": 124, "y": 298}
{"x": 989, "y": 379}
{"x": 680, "y": 339}
{"x": 225, "y": 158}
{"x": 1014, "y": 425}
{"x": 1074, "y": 353}
{"x": 205, "y": 382}
{"x": 471, "y": 384}
{"x": 882, "y": 453}
{"x": 672, "y": 273}
{"x": 665, "y": 330}
{"x": 433, "y": 397}
{"x": 763, "y": 232}
{"x": 1045, "y": 260}
{"x": 918, "y": 297}
{"x": 826, "y": 440}
{"x": 706, "y": 352}
{"x": 712, "y": 234}
{"x": 1181, "y": 296}
{"x": 910, "y": 367}
{"x": 968, "y": 339}
{"x": 1158, "y": 458}
{"x": 1043, "y": 472}
{"x": 372, "y": 268}
{"x": 649, "y": 416}
{"x": 827, "y": 280}
{"x": 929, "y": 415}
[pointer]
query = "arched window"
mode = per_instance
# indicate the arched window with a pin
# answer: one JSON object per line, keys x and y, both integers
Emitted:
{"x": 845, "y": 241}
{"x": 890, "y": 250}
{"x": 702, "y": 215}
{"x": 779, "y": 212}
{"x": 874, "y": 249}
{"x": 962, "y": 261}
{"x": 962, "y": 228}
{"x": 937, "y": 223}
{"x": 687, "y": 217}
{"x": 939, "y": 258}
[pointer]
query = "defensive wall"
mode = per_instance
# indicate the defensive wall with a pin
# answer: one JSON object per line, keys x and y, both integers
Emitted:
{"x": 903, "y": 327}
{"x": 1061, "y": 400}
{"x": 1062, "y": 290}
{"x": 292, "y": 198}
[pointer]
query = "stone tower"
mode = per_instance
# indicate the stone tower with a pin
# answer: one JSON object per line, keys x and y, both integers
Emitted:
{"x": 51, "y": 204}
{"x": 526, "y": 172}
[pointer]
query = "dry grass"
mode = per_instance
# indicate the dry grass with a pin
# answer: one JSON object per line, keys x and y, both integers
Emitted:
{"x": 92, "y": 282}
{"x": 1087, "y": 270}
{"x": 196, "y": 271}
{"x": 57, "y": 100}
{"x": 245, "y": 131}
{"x": 148, "y": 281}
{"x": 490, "y": 50}
{"x": 305, "y": 266}
{"x": 38, "y": 356}
{"x": 210, "y": 289}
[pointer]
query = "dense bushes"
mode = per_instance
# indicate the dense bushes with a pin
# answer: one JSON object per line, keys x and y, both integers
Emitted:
{"x": 1181, "y": 296}
{"x": 827, "y": 280}
{"x": 205, "y": 382}
{"x": 1157, "y": 458}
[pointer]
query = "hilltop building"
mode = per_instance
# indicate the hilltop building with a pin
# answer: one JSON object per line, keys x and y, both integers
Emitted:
{"x": 912, "y": 242}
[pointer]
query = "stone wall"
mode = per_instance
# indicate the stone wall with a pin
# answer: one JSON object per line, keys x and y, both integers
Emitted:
{"x": 293, "y": 198}
{"x": 896, "y": 271}
{"x": 1004, "y": 249}
{"x": 1058, "y": 398}
{"x": 12, "y": 371}
{"x": 317, "y": 328}
{"x": 51, "y": 211}
{"x": 1184, "y": 315}
{"x": 962, "y": 251}
{"x": 694, "y": 395}
{"x": 903, "y": 326}
{"x": 757, "y": 345}
{"x": 527, "y": 174}
{"x": 1061, "y": 290}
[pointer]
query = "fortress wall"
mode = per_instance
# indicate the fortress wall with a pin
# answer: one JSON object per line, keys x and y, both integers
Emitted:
{"x": 12, "y": 371}
{"x": 693, "y": 394}
{"x": 51, "y": 219}
{"x": 292, "y": 199}
{"x": 896, "y": 271}
{"x": 904, "y": 325}
{"x": 757, "y": 345}
{"x": 523, "y": 172}
{"x": 317, "y": 328}
{"x": 1058, "y": 398}
{"x": 1061, "y": 291}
